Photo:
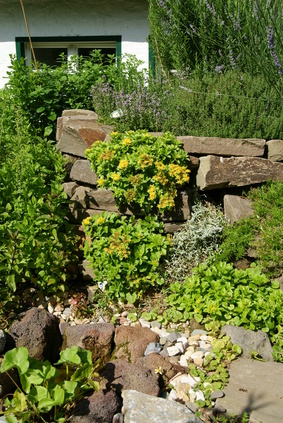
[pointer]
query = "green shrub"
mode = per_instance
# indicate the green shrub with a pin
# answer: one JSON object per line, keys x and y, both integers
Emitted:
{"x": 262, "y": 232}
{"x": 43, "y": 95}
{"x": 125, "y": 253}
{"x": 195, "y": 242}
{"x": 142, "y": 170}
{"x": 36, "y": 242}
{"x": 220, "y": 293}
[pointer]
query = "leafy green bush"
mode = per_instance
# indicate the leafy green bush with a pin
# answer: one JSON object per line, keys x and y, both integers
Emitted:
{"x": 142, "y": 170}
{"x": 125, "y": 253}
{"x": 43, "y": 95}
{"x": 220, "y": 293}
{"x": 46, "y": 389}
{"x": 35, "y": 238}
{"x": 196, "y": 241}
{"x": 263, "y": 232}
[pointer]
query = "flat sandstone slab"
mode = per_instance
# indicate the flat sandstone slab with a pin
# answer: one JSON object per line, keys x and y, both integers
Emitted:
{"x": 255, "y": 387}
{"x": 218, "y": 172}
{"x": 253, "y": 147}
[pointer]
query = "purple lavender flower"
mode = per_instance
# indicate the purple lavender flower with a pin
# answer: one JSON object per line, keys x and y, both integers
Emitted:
{"x": 256, "y": 10}
{"x": 210, "y": 8}
{"x": 271, "y": 46}
{"x": 236, "y": 24}
{"x": 232, "y": 60}
{"x": 219, "y": 68}
{"x": 192, "y": 28}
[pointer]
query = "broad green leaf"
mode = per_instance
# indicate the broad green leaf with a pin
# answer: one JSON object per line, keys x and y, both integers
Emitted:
{"x": 75, "y": 355}
{"x": 17, "y": 357}
{"x": 58, "y": 394}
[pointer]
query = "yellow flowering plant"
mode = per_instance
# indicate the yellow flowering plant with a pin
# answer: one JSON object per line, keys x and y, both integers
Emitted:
{"x": 125, "y": 253}
{"x": 143, "y": 170}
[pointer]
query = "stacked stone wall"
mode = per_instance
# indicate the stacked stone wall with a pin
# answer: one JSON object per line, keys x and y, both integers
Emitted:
{"x": 224, "y": 165}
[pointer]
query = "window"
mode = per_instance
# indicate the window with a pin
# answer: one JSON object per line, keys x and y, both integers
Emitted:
{"x": 48, "y": 50}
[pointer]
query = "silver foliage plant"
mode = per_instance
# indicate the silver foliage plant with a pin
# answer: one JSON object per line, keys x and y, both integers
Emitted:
{"x": 196, "y": 241}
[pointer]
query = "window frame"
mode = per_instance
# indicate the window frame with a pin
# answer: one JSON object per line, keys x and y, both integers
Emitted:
{"x": 71, "y": 43}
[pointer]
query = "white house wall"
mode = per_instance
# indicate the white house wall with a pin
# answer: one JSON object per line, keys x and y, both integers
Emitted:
{"x": 54, "y": 18}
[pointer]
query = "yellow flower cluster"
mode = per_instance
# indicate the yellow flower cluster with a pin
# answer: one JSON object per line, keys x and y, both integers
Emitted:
{"x": 135, "y": 179}
{"x": 145, "y": 160}
{"x": 107, "y": 155}
{"x": 160, "y": 166}
{"x": 100, "y": 220}
{"x": 101, "y": 182}
{"x": 127, "y": 141}
{"x": 113, "y": 133}
{"x": 86, "y": 221}
{"x": 123, "y": 164}
{"x": 115, "y": 177}
{"x": 167, "y": 201}
{"x": 130, "y": 194}
{"x": 180, "y": 173}
{"x": 152, "y": 192}
{"x": 118, "y": 245}
{"x": 161, "y": 178}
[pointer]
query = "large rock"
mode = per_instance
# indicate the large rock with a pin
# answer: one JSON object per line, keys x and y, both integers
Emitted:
{"x": 254, "y": 387}
{"x": 86, "y": 270}
{"x": 81, "y": 172}
{"x": 80, "y": 197}
{"x": 98, "y": 338}
{"x": 102, "y": 199}
{"x": 223, "y": 146}
{"x": 141, "y": 408}
{"x": 155, "y": 361}
{"x": 275, "y": 150}
{"x": 100, "y": 407}
{"x": 38, "y": 331}
{"x": 120, "y": 375}
{"x": 250, "y": 341}
{"x": 237, "y": 208}
{"x": 218, "y": 172}
{"x": 131, "y": 342}
{"x": 77, "y": 132}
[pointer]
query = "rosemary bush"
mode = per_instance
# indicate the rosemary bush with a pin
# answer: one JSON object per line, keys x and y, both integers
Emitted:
{"x": 213, "y": 35}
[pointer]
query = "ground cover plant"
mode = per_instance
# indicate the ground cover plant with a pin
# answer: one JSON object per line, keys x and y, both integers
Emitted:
{"x": 220, "y": 293}
{"x": 47, "y": 390}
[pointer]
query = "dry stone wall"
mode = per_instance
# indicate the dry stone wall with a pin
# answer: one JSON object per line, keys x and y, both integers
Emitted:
{"x": 221, "y": 164}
